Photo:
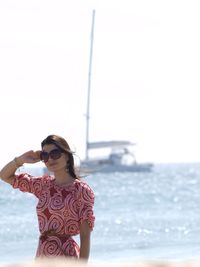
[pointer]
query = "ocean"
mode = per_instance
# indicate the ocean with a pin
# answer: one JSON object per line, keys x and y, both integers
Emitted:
{"x": 139, "y": 216}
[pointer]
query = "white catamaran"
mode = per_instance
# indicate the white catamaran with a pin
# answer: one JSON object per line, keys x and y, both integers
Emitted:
{"x": 119, "y": 157}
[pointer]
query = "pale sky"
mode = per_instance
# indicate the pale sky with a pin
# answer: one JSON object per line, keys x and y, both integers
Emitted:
{"x": 145, "y": 76}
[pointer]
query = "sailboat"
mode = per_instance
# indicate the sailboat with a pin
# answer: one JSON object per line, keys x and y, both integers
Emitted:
{"x": 119, "y": 156}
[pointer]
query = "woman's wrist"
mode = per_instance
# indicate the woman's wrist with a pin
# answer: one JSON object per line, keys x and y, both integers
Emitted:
{"x": 17, "y": 162}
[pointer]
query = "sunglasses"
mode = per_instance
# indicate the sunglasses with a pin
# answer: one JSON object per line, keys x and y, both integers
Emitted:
{"x": 53, "y": 154}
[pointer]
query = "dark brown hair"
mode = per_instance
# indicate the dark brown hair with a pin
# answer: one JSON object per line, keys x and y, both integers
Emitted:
{"x": 62, "y": 144}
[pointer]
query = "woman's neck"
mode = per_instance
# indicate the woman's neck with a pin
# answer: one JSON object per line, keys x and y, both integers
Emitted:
{"x": 63, "y": 178}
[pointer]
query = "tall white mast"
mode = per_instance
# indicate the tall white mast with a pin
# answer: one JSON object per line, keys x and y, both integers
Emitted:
{"x": 89, "y": 86}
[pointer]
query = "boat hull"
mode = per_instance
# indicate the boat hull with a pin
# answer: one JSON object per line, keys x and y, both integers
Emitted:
{"x": 138, "y": 167}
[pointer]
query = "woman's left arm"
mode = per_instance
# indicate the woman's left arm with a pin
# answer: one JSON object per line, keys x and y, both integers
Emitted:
{"x": 84, "y": 240}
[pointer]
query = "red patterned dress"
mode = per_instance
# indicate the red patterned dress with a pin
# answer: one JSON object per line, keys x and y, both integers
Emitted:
{"x": 60, "y": 211}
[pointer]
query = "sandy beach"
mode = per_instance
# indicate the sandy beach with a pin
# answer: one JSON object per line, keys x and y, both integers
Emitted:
{"x": 72, "y": 263}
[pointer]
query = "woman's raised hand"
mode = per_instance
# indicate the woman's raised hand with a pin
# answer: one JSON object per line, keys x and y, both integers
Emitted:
{"x": 29, "y": 157}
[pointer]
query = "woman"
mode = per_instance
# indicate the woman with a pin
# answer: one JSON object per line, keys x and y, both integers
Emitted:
{"x": 65, "y": 204}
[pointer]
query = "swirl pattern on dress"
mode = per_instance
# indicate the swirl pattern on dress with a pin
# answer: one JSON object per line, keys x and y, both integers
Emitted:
{"x": 43, "y": 222}
{"x": 56, "y": 202}
{"x": 44, "y": 198}
{"x": 56, "y": 223}
{"x": 71, "y": 248}
{"x": 59, "y": 208}
{"x": 51, "y": 247}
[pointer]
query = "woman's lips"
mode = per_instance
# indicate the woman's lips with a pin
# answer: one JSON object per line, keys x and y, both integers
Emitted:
{"x": 52, "y": 164}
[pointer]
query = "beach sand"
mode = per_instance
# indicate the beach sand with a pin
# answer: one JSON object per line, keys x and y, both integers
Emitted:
{"x": 73, "y": 263}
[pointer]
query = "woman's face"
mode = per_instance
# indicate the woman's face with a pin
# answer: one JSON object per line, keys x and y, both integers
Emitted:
{"x": 54, "y": 163}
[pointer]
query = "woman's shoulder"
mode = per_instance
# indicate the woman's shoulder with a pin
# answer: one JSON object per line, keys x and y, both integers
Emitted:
{"x": 83, "y": 186}
{"x": 81, "y": 183}
{"x": 47, "y": 179}
{"x": 30, "y": 183}
{"x": 37, "y": 179}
